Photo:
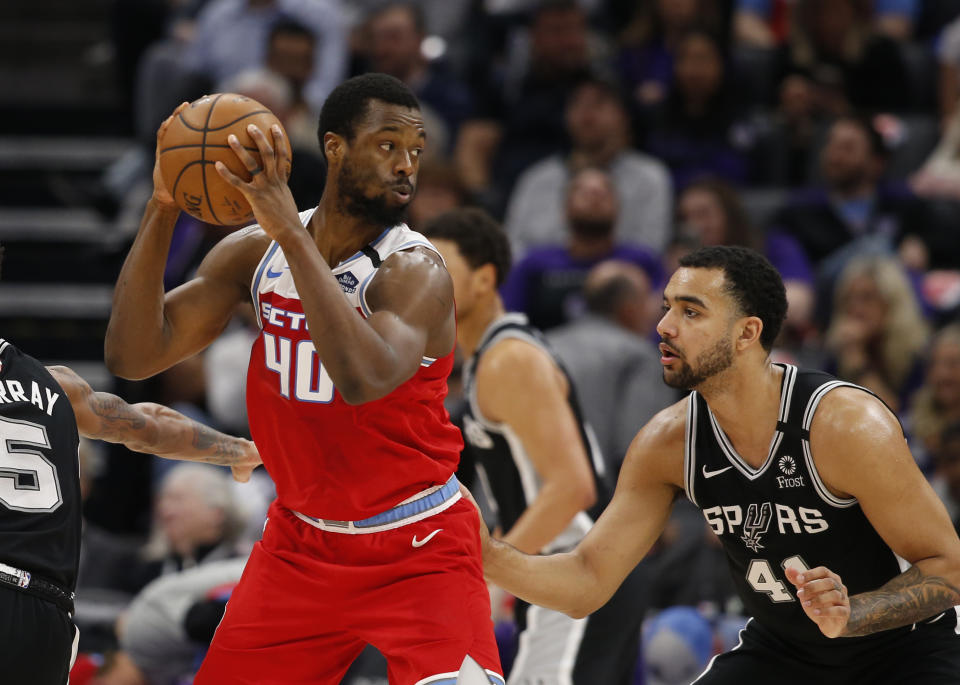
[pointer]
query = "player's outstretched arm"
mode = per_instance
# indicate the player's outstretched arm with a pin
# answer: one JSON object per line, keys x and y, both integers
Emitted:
{"x": 153, "y": 428}
{"x": 581, "y": 581}
{"x": 860, "y": 451}
{"x": 150, "y": 330}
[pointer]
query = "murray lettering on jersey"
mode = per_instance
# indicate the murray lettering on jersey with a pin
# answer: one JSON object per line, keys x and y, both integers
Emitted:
{"x": 781, "y": 514}
{"x": 14, "y": 391}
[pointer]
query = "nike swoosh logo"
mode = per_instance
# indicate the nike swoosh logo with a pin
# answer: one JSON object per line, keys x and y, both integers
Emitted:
{"x": 273, "y": 274}
{"x": 711, "y": 474}
{"x": 421, "y": 543}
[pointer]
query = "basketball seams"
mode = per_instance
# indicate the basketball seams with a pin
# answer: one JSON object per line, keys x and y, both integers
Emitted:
{"x": 222, "y": 126}
{"x": 203, "y": 157}
{"x": 217, "y": 145}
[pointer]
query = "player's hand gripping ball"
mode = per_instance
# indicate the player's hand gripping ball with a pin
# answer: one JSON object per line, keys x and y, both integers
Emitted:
{"x": 196, "y": 139}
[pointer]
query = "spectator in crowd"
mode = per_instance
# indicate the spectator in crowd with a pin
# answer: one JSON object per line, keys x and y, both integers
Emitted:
{"x": 546, "y": 283}
{"x": 396, "y": 32}
{"x": 170, "y": 623}
{"x": 649, "y": 41}
{"x": 598, "y": 123}
{"x": 877, "y": 335}
{"x": 291, "y": 54}
{"x": 196, "y": 519}
{"x": 232, "y": 36}
{"x": 946, "y": 479}
{"x": 766, "y": 23}
{"x": 843, "y": 60}
{"x": 608, "y": 354}
{"x": 855, "y": 207}
{"x": 519, "y": 117}
{"x": 439, "y": 189}
{"x": 699, "y": 129}
{"x": 936, "y": 404}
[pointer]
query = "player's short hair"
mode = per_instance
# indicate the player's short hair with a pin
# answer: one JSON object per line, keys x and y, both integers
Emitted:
{"x": 477, "y": 235}
{"x": 349, "y": 102}
{"x": 751, "y": 281}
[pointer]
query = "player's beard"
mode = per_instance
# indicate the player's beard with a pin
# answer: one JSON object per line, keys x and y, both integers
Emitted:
{"x": 708, "y": 364}
{"x": 374, "y": 210}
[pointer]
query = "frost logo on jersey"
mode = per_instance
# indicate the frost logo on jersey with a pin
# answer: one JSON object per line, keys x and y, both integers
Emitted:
{"x": 348, "y": 282}
{"x": 756, "y": 524}
{"x": 787, "y": 465}
{"x": 475, "y": 434}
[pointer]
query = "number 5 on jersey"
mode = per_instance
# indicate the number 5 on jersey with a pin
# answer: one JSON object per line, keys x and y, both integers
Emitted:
{"x": 298, "y": 366}
{"x": 762, "y": 578}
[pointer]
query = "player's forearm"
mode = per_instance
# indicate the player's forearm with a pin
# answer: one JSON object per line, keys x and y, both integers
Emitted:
{"x": 175, "y": 436}
{"x": 360, "y": 363}
{"x": 921, "y": 592}
{"x": 136, "y": 328}
{"x": 562, "y": 582}
{"x": 548, "y": 515}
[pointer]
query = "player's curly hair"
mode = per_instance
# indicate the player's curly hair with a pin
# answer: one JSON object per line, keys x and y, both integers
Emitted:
{"x": 752, "y": 282}
{"x": 477, "y": 235}
{"x": 349, "y": 102}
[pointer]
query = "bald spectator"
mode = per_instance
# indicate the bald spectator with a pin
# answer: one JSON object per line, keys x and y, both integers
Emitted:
{"x": 598, "y": 123}
{"x": 546, "y": 284}
{"x": 613, "y": 364}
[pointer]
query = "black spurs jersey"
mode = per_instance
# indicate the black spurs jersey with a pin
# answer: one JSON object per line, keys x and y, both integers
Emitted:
{"x": 502, "y": 463}
{"x": 39, "y": 472}
{"x": 781, "y": 514}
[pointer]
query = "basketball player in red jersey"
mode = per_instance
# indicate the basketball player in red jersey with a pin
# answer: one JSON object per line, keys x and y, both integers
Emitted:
{"x": 369, "y": 541}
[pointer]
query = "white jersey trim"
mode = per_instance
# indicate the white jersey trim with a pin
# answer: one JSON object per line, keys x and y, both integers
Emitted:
{"x": 808, "y": 413}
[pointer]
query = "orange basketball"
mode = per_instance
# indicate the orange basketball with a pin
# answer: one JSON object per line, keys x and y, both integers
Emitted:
{"x": 196, "y": 139}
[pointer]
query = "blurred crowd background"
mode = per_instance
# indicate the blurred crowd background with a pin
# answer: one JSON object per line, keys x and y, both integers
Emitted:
{"x": 610, "y": 137}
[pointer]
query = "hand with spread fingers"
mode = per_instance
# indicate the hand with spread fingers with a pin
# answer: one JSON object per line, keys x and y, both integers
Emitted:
{"x": 267, "y": 192}
{"x": 823, "y": 597}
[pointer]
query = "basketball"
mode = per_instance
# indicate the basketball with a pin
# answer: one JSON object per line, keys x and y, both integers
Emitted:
{"x": 196, "y": 139}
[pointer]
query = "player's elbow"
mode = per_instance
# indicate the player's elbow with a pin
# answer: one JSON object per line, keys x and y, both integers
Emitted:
{"x": 121, "y": 362}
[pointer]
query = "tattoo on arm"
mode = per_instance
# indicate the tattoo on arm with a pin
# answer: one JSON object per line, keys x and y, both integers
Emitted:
{"x": 226, "y": 450}
{"x": 117, "y": 418}
{"x": 908, "y": 598}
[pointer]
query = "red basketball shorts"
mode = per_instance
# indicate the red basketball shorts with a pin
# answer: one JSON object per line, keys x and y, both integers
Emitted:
{"x": 311, "y": 599}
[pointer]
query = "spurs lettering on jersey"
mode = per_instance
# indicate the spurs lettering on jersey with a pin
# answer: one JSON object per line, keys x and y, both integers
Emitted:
{"x": 757, "y": 520}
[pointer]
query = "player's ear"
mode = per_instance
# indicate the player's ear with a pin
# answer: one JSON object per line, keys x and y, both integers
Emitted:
{"x": 486, "y": 277}
{"x": 750, "y": 329}
{"x": 334, "y": 146}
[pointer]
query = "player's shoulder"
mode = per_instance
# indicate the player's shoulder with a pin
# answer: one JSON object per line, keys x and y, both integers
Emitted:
{"x": 657, "y": 449}
{"x": 237, "y": 254}
{"x": 852, "y": 413}
{"x": 667, "y": 428}
{"x": 515, "y": 358}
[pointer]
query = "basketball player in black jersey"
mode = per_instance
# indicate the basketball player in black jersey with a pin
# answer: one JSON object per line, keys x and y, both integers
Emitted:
{"x": 42, "y": 413}
{"x": 536, "y": 454}
{"x": 841, "y": 551}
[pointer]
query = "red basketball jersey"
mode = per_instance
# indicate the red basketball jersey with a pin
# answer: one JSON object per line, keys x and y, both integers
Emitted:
{"x": 327, "y": 458}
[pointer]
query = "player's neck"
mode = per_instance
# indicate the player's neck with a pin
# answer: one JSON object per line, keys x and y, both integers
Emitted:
{"x": 746, "y": 404}
{"x": 339, "y": 235}
{"x": 471, "y": 328}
